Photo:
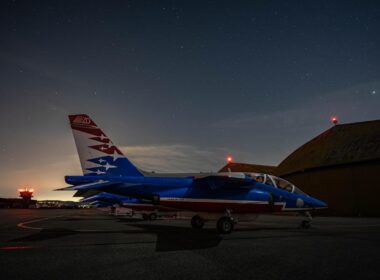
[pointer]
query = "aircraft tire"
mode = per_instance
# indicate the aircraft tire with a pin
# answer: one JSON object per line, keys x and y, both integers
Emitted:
{"x": 225, "y": 225}
{"x": 197, "y": 222}
{"x": 305, "y": 224}
{"x": 153, "y": 216}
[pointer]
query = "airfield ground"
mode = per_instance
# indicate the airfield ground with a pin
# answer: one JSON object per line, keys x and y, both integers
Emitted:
{"x": 89, "y": 244}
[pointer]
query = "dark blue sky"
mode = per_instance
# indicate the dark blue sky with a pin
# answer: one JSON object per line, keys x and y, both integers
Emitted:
{"x": 179, "y": 84}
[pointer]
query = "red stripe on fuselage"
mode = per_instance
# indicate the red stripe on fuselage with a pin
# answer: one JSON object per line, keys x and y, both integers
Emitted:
{"x": 147, "y": 207}
{"x": 220, "y": 207}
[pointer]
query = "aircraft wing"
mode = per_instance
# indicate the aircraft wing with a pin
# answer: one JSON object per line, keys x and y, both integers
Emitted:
{"x": 105, "y": 197}
{"x": 218, "y": 182}
{"x": 90, "y": 186}
{"x": 86, "y": 193}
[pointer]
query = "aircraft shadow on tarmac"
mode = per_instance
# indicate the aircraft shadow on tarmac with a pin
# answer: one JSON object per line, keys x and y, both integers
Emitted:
{"x": 169, "y": 237}
{"x": 172, "y": 238}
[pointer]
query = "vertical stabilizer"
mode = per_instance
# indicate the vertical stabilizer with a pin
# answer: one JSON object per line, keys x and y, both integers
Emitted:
{"x": 97, "y": 154}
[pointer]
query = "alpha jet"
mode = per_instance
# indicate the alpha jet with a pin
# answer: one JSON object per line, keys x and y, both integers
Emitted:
{"x": 224, "y": 197}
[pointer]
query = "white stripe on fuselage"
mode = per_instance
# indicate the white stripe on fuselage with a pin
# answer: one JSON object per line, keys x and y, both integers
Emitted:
{"x": 217, "y": 200}
{"x": 201, "y": 200}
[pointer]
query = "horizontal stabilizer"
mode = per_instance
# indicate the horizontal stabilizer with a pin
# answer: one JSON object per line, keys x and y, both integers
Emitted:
{"x": 69, "y": 188}
{"x": 86, "y": 193}
{"x": 95, "y": 185}
{"x": 105, "y": 197}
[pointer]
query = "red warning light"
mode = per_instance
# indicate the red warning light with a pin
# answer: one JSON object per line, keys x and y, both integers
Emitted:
{"x": 26, "y": 192}
{"x": 334, "y": 120}
{"x": 229, "y": 159}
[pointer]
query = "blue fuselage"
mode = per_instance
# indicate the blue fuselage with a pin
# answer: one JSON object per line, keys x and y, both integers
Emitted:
{"x": 197, "y": 195}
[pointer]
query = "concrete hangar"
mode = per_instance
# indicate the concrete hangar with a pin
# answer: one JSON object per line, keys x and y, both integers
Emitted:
{"x": 340, "y": 166}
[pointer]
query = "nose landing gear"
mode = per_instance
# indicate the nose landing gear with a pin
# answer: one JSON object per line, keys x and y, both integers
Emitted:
{"x": 307, "y": 223}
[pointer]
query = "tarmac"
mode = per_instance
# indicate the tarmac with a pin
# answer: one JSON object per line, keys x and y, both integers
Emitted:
{"x": 91, "y": 244}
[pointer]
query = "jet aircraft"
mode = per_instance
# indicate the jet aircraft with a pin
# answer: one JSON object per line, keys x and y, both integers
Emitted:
{"x": 224, "y": 197}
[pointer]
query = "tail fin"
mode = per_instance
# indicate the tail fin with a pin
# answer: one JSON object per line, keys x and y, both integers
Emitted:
{"x": 97, "y": 154}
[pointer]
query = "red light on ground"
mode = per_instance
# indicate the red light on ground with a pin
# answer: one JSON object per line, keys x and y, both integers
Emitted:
{"x": 31, "y": 190}
{"x": 229, "y": 159}
{"x": 11, "y": 248}
{"x": 334, "y": 120}
{"x": 21, "y": 190}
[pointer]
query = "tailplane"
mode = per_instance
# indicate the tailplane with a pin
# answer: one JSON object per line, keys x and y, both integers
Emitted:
{"x": 97, "y": 154}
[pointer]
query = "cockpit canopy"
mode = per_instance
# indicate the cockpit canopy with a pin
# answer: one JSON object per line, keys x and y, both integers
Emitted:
{"x": 276, "y": 182}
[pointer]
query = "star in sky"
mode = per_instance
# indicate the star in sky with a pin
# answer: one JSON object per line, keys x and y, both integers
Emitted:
{"x": 231, "y": 79}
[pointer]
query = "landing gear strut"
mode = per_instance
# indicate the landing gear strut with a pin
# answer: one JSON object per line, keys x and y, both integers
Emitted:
{"x": 197, "y": 222}
{"x": 307, "y": 223}
{"x": 225, "y": 224}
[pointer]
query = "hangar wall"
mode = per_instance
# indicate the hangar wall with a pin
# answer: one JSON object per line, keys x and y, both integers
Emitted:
{"x": 340, "y": 166}
{"x": 349, "y": 190}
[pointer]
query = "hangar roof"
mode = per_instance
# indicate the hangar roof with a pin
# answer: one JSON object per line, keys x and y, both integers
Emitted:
{"x": 245, "y": 167}
{"x": 341, "y": 144}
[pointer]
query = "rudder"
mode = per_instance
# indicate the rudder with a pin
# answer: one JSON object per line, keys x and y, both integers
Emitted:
{"x": 97, "y": 153}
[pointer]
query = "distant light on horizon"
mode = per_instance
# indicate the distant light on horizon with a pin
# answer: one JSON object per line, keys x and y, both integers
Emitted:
{"x": 25, "y": 190}
{"x": 334, "y": 119}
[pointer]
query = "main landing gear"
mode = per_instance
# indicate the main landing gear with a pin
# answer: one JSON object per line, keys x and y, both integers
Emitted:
{"x": 225, "y": 225}
{"x": 152, "y": 216}
{"x": 307, "y": 223}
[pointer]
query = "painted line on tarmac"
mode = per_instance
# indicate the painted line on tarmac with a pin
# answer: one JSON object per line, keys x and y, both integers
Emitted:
{"x": 25, "y": 224}
{"x": 349, "y": 226}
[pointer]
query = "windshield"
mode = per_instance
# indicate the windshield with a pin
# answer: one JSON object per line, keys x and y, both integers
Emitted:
{"x": 283, "y": 184}
{"x": 276, "y": 182}
{"x": 258, "y": 177}
{"x": 298, "y": 191}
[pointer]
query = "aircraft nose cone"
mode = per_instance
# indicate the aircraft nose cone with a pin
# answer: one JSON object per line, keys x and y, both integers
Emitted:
{"x": 319, "y": 204}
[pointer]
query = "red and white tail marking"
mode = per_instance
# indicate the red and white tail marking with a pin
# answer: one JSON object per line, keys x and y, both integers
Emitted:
{"x": 92, "y": 143}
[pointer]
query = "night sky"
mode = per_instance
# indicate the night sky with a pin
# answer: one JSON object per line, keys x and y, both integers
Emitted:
{"x": 179, "y": 85}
